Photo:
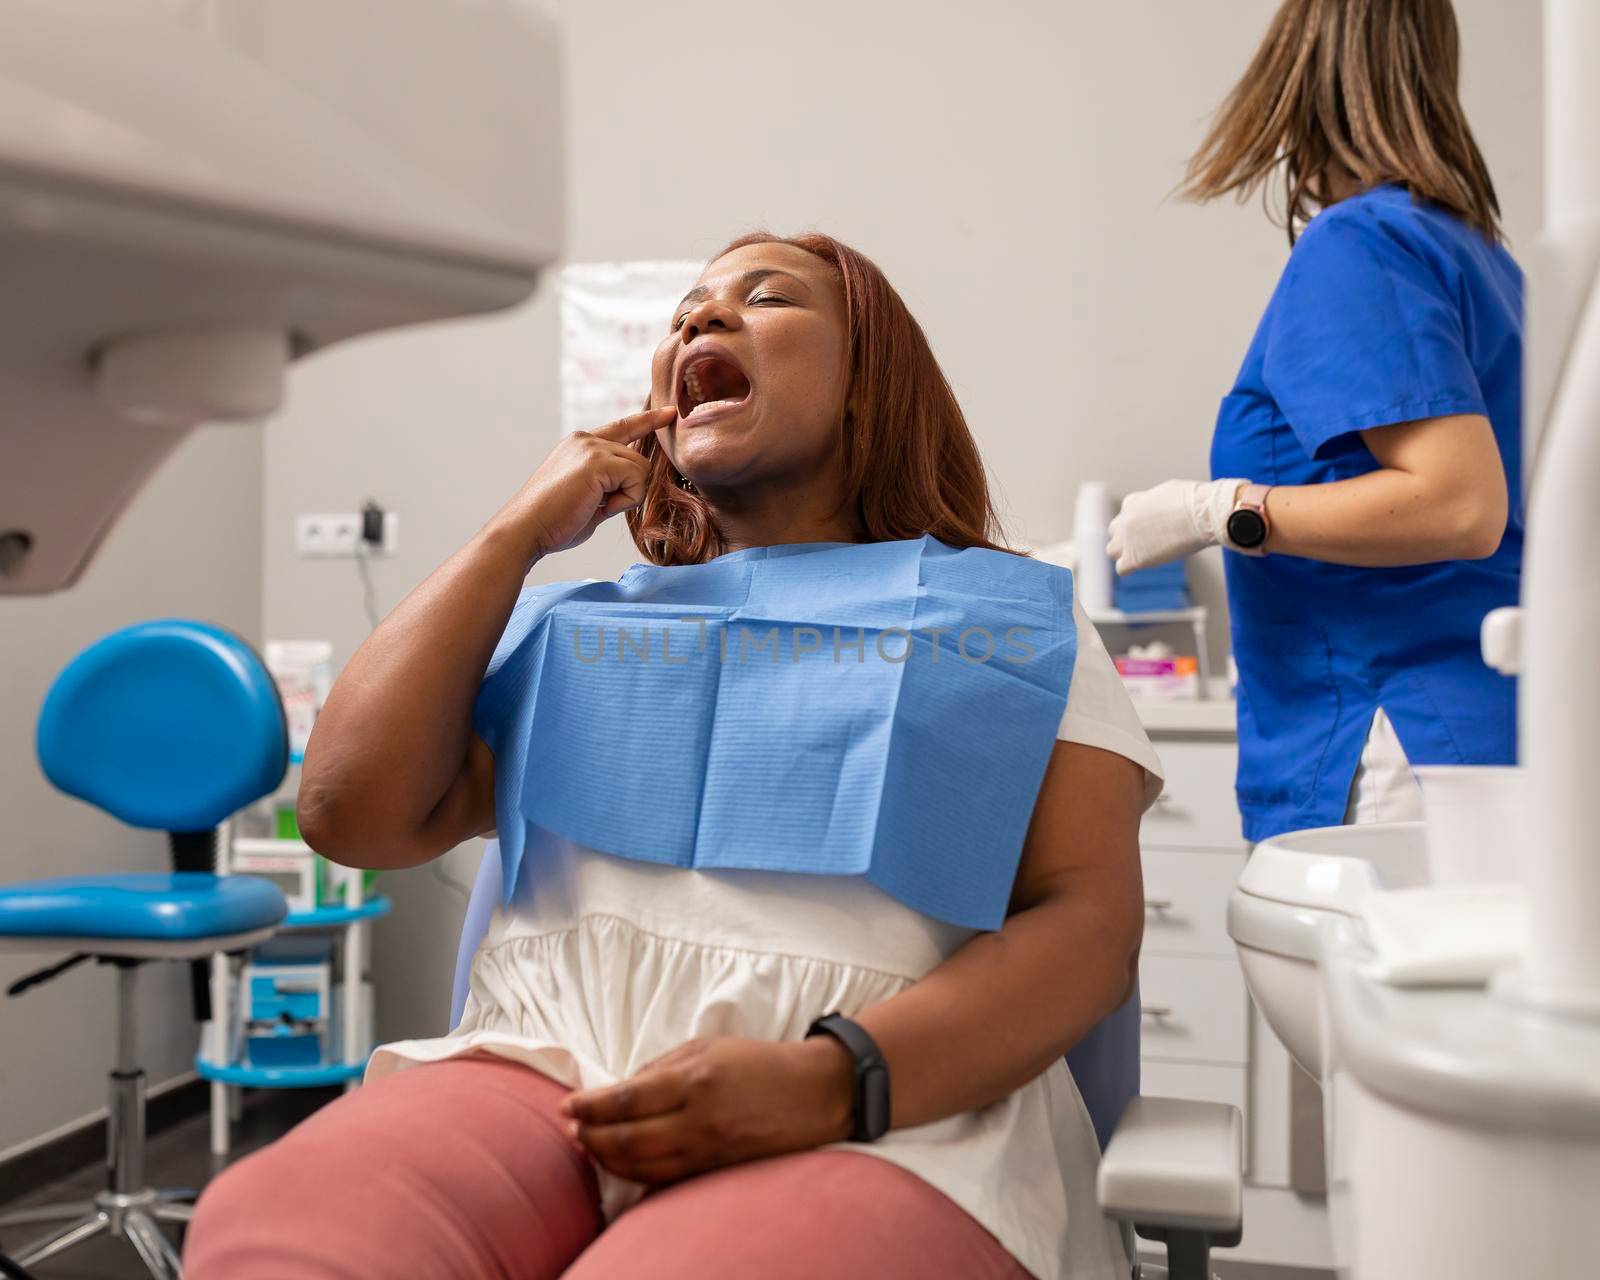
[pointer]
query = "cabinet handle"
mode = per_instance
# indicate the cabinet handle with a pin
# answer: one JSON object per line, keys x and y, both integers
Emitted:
{"x": 1155, "y": 1010}
{"x": 1158, "y": 904}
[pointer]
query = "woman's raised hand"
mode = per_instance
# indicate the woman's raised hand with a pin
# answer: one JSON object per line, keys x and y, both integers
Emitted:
{"x": 588, "y": 477}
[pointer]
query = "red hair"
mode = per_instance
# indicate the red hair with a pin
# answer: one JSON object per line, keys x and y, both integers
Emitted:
{"x": 911, "y": 466}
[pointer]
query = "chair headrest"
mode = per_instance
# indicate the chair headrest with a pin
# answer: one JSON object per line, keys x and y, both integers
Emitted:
{"x": 171, "y": 724}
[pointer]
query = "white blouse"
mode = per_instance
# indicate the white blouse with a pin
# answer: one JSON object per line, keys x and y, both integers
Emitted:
{"x": 602, "y": 964}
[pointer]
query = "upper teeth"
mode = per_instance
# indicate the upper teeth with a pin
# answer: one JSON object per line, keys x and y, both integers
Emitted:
{"x": 692, "y": 382}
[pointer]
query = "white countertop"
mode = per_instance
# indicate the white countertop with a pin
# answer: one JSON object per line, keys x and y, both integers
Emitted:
{"x": 1214, "y": 715}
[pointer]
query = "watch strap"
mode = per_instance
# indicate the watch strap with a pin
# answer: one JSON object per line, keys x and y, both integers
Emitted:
{"x": 1253, "y": 496}
{"x": 871, "y": 1077}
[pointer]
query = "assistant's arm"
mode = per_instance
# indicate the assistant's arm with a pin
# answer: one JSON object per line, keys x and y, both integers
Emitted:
{"x": 1439, "y": 494}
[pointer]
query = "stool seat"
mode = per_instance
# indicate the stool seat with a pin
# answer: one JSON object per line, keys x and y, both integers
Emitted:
{"x": 155, "y": 907}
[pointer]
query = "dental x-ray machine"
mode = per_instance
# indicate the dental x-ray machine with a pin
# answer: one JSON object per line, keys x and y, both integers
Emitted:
{"x": 194, "y": 193}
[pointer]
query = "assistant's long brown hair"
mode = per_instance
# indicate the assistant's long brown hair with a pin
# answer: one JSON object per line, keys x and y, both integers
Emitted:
{"x": 911, "y": 466}
{"x": 1369, "y": 85}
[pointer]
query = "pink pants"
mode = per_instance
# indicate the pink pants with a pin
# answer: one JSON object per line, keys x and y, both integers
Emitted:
{"x": 463, "y": 1169}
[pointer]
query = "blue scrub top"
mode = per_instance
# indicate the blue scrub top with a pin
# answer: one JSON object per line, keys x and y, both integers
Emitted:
{"x": 1388, "y": 311}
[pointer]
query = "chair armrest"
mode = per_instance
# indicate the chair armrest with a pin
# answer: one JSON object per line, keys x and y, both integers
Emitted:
{"x": 1173, "y": 1163}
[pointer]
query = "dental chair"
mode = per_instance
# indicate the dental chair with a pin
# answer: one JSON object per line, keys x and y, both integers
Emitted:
{"x": 168, "y": 726}
{"x": 1170, "y": 1168}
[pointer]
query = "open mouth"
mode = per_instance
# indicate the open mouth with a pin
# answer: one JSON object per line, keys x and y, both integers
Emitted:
{"x": 709, "y": 383}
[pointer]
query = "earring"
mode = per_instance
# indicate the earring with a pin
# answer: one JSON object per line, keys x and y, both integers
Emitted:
{"x": 687, "y": 485}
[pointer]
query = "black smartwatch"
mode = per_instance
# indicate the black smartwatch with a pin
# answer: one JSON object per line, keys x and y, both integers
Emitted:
{"x": 871, "y": 1076}
{"x": 1247, "y": 524}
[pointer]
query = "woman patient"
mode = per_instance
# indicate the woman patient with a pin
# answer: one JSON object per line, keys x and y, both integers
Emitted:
{"x": 632, "y": 1090}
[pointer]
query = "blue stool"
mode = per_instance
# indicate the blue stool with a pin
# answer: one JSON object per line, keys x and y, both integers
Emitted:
{"x": 172, "y": 726}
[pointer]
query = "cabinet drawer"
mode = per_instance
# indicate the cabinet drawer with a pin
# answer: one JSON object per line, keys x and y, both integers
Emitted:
{"x": 1197, "y": 805}
{"x": 1195, "y": 1009}
{"x": 1186, "y": 900}
{"x": 1194, "y": 1080}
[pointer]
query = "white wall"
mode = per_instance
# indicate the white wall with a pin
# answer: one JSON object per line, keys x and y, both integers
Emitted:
{"x": 189, "y": 546}
{"x": 1007, "y": 164}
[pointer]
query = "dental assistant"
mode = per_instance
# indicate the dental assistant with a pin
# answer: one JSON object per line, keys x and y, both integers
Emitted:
{"x": 1368, "y": 458}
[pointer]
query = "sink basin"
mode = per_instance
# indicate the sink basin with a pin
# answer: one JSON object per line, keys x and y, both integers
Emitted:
{"x": 1463, "y": 1135}
{"x": 1290, "y": 886}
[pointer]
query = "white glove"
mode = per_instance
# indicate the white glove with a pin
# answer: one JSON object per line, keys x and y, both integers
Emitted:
{"x": 1173, "y": 520}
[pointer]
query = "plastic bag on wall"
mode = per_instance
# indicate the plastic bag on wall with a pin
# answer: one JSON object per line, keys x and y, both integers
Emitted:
{"x": 613, "y": 316}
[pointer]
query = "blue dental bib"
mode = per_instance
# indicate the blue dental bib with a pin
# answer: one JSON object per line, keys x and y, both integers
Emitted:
{"x": 883, "y": 709}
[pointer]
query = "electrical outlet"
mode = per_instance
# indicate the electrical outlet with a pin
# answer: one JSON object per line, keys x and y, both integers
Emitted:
{"x": 334, "y": 534}
{"x": 338, "y": 535}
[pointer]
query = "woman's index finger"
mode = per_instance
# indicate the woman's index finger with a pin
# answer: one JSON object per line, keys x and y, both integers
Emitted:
{"x": 636, "y": 425}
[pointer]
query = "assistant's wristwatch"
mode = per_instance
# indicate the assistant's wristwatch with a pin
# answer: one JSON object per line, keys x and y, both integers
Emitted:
{"x": 1247, "y": 527}
{"x": 871, "y": 1074}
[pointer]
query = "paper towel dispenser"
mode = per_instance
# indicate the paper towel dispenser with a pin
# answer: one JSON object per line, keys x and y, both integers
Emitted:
{"x": 193, "y": 193}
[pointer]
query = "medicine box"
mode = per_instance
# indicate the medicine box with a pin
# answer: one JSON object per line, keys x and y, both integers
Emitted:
{"x": 1175, "y": 677}
{"x": 286, "y": 1001}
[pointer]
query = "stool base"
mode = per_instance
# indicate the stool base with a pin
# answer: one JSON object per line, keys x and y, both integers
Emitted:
{"x": 132, "y": 1216}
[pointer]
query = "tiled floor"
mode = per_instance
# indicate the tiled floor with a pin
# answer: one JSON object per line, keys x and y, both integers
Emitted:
{"x": 178, "y": 1157}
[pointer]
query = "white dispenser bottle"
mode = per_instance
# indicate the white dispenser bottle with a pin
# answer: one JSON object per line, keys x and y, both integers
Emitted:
{"x": 1091, "y": 517}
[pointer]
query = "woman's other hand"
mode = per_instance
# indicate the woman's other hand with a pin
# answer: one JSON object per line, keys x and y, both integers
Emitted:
{"x": 1173, "y": 520}
{"x": 588, "y": 477}
{"x": 716, "y": 1102}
